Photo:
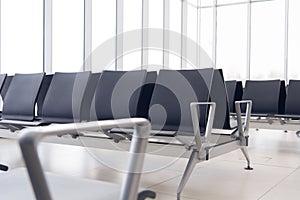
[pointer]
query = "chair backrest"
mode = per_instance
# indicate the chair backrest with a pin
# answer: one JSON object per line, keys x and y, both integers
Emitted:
{"x": 146, "y": 94}
{"x": 20, "y": 99}
{"x": 292, "y": 105}
{"x": 234, "y": 93}
{"x": 117, "y": 94}
{"x": 218, "y": 95}
{"x": 89, "y": 95}
{"x": 5, "y": 86}
{"x": 265, "y": 96}
{"x": 64, "y": 98}
{"x": 42, "y": 94}
{"x": 282, "y": 98}
{"x": 2, "y": 80}
{"x": 172, "y": 95}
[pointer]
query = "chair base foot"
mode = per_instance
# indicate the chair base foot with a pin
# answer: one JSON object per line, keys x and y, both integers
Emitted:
{"x": 248, "y": 168}
{"x": 3, "y": 167}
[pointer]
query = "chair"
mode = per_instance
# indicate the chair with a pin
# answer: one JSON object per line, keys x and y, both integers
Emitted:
{"x": 117, "y": 94}
{"x": 49, "y": 185}
{"x": 2, "y": 80}
{"x": 234, "y": 93}
{"x": 292, "y": 101}
{"x": 20, "y": 99}
{"x": 42, "y": 93}
{"x": 193, "y": 105}
{"x": 146, "y": 94}
{"x": 5, "y": 86}
{"x": 88, "y": 96}
{"x": 267, "y": 97}
{"x": 63, "y": 101}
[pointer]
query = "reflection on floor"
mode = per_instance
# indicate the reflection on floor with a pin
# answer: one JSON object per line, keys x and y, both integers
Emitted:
{"x": 275, "y": 156}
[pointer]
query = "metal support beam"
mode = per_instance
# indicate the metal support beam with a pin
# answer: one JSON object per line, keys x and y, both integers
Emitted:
{"x": 286, "y": 42}
{"x": 215, "y": 27}
{"x": 47, "y": 36}
{"x": 166, "y": 36}
{"x": 119, "y": 35}
{"x": 87, "y": 58}
{"x": 198, "y": 53}
{"x": 183, "y": 32}
{"x": 248, "y": 39}
{"x": 0, "y": 37}
{"x": 145, "y": 34}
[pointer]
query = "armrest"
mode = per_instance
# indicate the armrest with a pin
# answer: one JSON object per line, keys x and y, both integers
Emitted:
{"x": 31, "y": 136}
{"x": 243, "y": 128}
{"x": 195, "y": 120}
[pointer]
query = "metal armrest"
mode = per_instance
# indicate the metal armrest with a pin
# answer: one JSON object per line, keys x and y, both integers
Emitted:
{"x": 243, "y": 127}
{"x": 31, "y": 136}
{"x": 195, "y": 118}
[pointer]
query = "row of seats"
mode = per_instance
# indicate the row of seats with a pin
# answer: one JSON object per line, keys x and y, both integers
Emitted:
{"x": 68, "y": 97}
{"x": 270, "y": 98}
{"x": 189, "y": 105}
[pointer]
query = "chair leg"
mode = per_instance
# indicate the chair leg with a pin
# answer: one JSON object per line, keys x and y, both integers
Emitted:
{"x": 245, "y": 152}
{"x": 193, "y": 160}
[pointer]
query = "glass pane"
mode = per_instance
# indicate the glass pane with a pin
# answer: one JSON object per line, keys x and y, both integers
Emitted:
{"x": 267, "y": 40}
{"x": 206, "y": 31}
{"x": 294, "y": 40}
{"x": 175, "y": 35}
{"x": 206, "y": 2}
{"x": 156, "y": 19}
{"x": 133, "y": 35}
{"x": 68, "y": 33}
{"x": 192, "y": 24}
{"x": 103, "y": 33}
{"x": 231, "y": 1}
{"x": 232, "y": 41}
{"x": 21, "y": 36}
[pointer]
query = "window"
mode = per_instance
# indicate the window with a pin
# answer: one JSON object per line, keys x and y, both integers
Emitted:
{"x": 267, "y": 40}
{"x": 192, "y": 35}
{"x": 175, "y": 35}
{"x": 207, "y": 2}
{"x": 68, "y": 35}
{"x": 294, "y": 40}
{"x": 132, "y": 40}
{"x": 156, "y": 21}
{"x": 21, "y": 36}
{"x": 206, "y": 32}
{"x": 222, "y": 2}
{"x": 232, "y": 41}
{"x": 103, "y": 34}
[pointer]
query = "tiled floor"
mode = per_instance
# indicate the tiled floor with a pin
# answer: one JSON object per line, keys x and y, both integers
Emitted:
{"x": 275, "y": 156}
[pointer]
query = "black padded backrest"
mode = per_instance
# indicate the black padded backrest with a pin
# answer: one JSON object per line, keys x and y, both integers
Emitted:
{"x": 42, "y": 94}
{"x": 264, "y": 95}
{"x": 234, "y": 93}
{"x": 172, "y": 95}
{"x": 146, "y": 94}
{"x": 89, "y": 95}
{"x": 292, "y": 105}
{"x": 2, "y": 80}
{"x": 21, "y": 96}
{"x": 218, "y": 95}
{"x": 64, "y": 97}
{"x": 282, "y": 98}
{"x": 5, "y": 86}
{"x": 115, "y": 95}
